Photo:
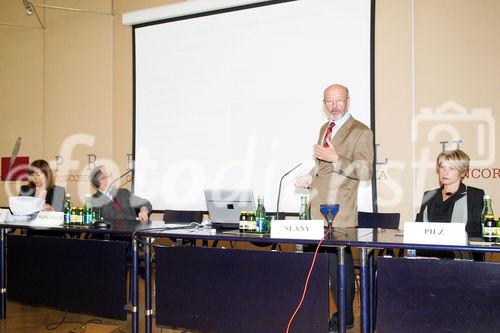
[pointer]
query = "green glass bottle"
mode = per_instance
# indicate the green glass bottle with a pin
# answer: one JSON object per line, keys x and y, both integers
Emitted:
{"x": 87, "y": 215}
{"x": 498, "y": 229}
{"x": 74, "y": 215}
{"x": 304, "y": 209}
{"x": 488, "y": 224}
{"x": 260, "y": 215}
{"x": 243, "y": 221}
{"x": 67, "y": 208}
{"x": 251, "y": 224}
{"x": 80, "y": 212}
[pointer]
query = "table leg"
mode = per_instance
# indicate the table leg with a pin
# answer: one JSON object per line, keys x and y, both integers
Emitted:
{"x": 134, "y": 289}
{"x": 147, "y": 292}
{"x": 3, "y": 285}
{"x": 341, "y": 302}
{"x": 371, "y": 268}
{"x": 365, "y": 290}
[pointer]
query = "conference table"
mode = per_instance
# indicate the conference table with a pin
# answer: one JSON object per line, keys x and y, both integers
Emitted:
{"x": 181, "y": 266}
{"x": 73, "y": 274}
{"x": 367, "y": 240}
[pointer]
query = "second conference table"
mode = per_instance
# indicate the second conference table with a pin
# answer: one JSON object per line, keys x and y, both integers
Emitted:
{"x": 365, "y": 239}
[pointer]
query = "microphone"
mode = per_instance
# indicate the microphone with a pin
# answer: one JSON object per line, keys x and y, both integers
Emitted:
{"x": 27, "y": 7}
{"x": 15, "y": 151}
{"x": 117, "y": 179}
{"x": 279, "y": 190}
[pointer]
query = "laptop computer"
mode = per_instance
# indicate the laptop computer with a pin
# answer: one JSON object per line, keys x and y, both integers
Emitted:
{"x": 225, "y": 206}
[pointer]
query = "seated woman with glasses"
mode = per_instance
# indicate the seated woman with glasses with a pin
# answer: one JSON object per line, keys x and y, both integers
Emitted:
{"x": 453, "y": 201}
{"x": 41, "y": 185}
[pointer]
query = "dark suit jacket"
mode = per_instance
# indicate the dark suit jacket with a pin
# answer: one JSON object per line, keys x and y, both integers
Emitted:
{"x": 54, "y": 197}
{"x": 474, "y": 208}
{"x": 130, "y": 204}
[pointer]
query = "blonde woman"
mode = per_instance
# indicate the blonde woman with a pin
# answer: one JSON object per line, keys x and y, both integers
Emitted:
{"x": 453, "y": 201}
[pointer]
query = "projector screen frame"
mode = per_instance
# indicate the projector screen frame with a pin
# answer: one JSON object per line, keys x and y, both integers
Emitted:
{"x": 244, "y": 7}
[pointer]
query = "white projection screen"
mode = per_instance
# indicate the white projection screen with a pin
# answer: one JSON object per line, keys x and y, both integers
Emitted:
{"x": 232, "y": 98}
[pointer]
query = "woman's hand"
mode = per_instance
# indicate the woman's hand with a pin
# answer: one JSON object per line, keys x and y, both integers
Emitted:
{"x": 48, "y": 208}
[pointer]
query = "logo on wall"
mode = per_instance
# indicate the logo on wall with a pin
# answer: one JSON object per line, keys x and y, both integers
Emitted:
{"x": 15, "y": 169}
{"x": 452, "y": 125}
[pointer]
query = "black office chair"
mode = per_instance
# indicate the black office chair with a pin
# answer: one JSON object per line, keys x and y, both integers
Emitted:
{"x": 379, "y": 220}
{"x": 176, "y": 216}
{"x": 182, "y": 216}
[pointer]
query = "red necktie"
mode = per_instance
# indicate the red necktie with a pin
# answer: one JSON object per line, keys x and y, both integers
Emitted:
{"x": 117, "y": 205}
{"x": 328, "y": 134}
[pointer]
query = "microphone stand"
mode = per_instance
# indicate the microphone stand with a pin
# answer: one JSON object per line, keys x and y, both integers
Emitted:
{"x": 279, "y": 190}
{"x": 117, "y": 179}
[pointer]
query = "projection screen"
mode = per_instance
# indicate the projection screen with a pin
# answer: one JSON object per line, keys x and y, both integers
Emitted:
{"x": 232, "y": 98}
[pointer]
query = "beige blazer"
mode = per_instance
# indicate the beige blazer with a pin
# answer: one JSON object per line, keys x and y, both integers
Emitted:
{"x": 338, "y": 182}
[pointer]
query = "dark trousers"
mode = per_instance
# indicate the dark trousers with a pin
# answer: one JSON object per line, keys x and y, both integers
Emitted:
{"x": 333, "y": 270}
{"x": 349, "y": 278}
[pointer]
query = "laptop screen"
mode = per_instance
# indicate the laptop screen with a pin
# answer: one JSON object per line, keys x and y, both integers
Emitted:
{"x": 225, "y": 206}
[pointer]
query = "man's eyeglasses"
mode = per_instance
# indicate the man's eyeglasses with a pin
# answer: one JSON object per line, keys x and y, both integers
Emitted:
{"x": 330, "y": 101}
{"x": 106, "y": 176}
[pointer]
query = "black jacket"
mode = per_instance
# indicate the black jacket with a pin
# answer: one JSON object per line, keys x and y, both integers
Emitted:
{"x": 474, "y": 208}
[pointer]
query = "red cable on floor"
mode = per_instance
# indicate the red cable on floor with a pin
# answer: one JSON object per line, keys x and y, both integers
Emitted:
{"x": 307, "y": 281}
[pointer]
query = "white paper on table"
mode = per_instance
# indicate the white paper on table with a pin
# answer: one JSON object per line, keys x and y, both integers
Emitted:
{"x": 25, "y": 205}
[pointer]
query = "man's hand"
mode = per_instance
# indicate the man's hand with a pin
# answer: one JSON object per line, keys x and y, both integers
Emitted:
{"x": 143, "y": 214}
{"x": 304, "y": 181}
{"x": 328, "y": 154}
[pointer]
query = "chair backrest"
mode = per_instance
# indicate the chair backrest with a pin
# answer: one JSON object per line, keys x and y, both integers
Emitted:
{"x": 378, "y": 220}
{"x": 173, "y": 216}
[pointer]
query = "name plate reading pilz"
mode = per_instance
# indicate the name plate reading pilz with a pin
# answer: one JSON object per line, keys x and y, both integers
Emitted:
{"x": 435, "y": 233}
{"x": 297, "y": 229}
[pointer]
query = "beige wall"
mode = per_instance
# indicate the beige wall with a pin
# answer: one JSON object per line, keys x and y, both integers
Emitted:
{"x": 75, "y": 78}
{"x": 393, "y": 106}
{"x": 455, "y": 52}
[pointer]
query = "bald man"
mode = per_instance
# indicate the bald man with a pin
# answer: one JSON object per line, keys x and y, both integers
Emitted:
{"x": 344, "y": 157}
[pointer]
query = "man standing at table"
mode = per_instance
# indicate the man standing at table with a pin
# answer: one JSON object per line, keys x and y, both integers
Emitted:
{"x": 116, "y": 203}
{"x": 344, "y": 157}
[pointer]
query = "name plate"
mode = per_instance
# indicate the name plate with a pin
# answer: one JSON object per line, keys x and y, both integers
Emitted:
{"x": 52, "y": 219}
{"x": 3, "y": 214}
{"x": 297, "y": 229}
{"x": 365, "y": 234}
{"x": 435, "y": 233}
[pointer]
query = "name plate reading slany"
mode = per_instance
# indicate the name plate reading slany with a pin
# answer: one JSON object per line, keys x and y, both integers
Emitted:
{"x": 435, "y": 233}
{"x": 49, "y": 218}
{"x": 3, "y": 214}
{"x": 365, "y": 234}
{"x": 297, "y": 229}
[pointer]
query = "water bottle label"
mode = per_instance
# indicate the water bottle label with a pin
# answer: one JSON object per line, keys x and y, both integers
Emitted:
{"x": 261, "y": 225}
{"x": 489, "y": 232}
